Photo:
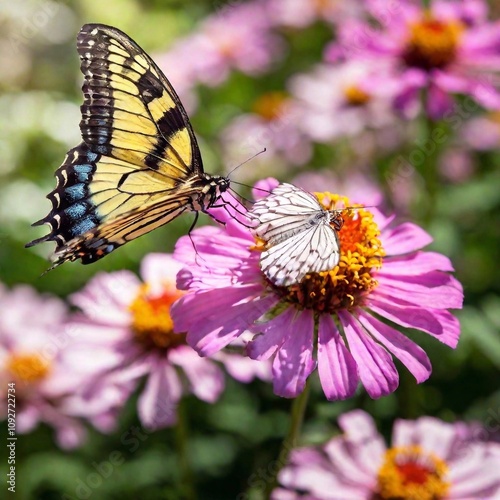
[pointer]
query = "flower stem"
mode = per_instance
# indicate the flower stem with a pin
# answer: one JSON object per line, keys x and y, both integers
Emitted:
{"x": 429, "y": 144}
{"x": 291, "y": 439}
{"x": 181, "y": 442}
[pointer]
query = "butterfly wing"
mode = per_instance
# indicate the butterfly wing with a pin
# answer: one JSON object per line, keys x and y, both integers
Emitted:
{"x": 130, "y": 110}
{"x": 313, "y": 250}
{"x": 93, "y": 212}
{"x": 138, "y": 153}
{"x": 283, "y": 213}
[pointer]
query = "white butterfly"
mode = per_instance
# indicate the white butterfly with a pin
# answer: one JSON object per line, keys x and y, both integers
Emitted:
{"x": 300, "y": 235}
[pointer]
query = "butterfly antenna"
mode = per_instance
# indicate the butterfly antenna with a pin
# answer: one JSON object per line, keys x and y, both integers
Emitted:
{"x": 246, "y": 161}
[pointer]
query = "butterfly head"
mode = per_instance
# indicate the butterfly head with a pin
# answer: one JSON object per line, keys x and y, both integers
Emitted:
{"x": 336, "y": 219}
{"x": 212, "y": 188}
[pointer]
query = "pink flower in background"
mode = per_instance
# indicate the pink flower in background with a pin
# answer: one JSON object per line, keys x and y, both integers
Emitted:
{"x": 35, "y": 355}
{"x": 382, "y": 272}
{"x": 456, "y": 165}
{"x": 303, "y": 13}
{"x": 235, "y": 38}
{"x": 354, "y": 185}
{"x": 343, "y": 100}
{"x": 482, "y": 132}
{"x": 131, "y": 320}
{"x": 273, "y": 124}
{"x": 447, "y": 49}
{"x": 428, "y": 459}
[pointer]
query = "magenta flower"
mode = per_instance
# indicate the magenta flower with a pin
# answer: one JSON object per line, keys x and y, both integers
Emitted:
{"x": 36, "y": 356}
{"x": 382, "y": 272}
{"x": 428, "y": 459}
{"x": 449, "y": 48}
{"x": 130, "y": 321}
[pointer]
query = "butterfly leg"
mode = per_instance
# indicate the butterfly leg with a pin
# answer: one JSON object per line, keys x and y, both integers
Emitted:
{"x": 215, "y": 218}
{"x": 224, "y": 206}
{"x": 196, "y": 253}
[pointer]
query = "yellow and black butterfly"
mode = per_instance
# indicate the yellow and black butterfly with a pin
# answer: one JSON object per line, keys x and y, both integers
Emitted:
{"x": 138, "y": 165}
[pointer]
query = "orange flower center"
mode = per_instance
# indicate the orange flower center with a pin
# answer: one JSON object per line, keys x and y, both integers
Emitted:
{"x": 346, "y": 285}
{"x": 29, "y": 368}
{"x": 432, "y": 43}
{"x": 271, "y": 105}
{"x": 152, "y": 323}
{"x": 355, "y": 96}
{"x": 410, "y": 473}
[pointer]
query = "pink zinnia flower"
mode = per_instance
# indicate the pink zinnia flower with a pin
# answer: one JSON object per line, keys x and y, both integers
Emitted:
{"x": 449, "y": 48}
{"x": 128, "y": 321}
{"x": 428, "y": 459}
{"x": 382, "y": 271}
{"x": 36, "y": 356}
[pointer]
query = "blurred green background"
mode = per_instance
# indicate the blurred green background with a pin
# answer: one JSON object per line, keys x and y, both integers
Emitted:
{"x": 240, "y": 435}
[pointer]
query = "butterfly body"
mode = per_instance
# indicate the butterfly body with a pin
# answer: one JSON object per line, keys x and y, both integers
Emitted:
{"x": 299, "y": 235}
{"x": 138, "y": 165}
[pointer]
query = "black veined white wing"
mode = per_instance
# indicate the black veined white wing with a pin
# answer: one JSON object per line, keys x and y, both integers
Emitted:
{"x": 300, "y": 236}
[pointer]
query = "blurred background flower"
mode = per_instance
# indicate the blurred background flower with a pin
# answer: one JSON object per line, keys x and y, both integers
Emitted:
{"x": 428, "y": 459}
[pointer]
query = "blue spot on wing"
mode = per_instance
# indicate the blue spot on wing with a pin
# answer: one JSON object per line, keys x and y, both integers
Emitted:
{"x": 102, "y": 135}
{"x": 83, "y": 225}
{"x": 91, "y": 156}
{"x": 76, "y": 210}
{"x": 83, "y": 172}
{"x": 75, "y": 192}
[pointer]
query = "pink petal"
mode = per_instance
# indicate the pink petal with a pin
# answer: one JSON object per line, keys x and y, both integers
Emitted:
{"x": 438, "y": 103}
{"x": 442, "y": 296}
{"x": 157, "y": 404}
{"x": 375, "y": 366}
{"x": 206, "y": 379}
{"x": 309, "y": 471}
{"x": 416, "y": 263}
{"x": 294, "y": 362}
{"x": 336, "y": 366}
{"x": 409, "y": 353}
{"x": 159, "y": 270}
{"x": 440, "y": 324}
{"x": 344, "y": 456}
{"x": 271, "y": 335}
{"x": 367, "y": 446}
{"x": 432, "y": 434}
{"x": 263, "y": 187}
{"x": 474, "y": 474}
{"x": 106, "y": 297}
{"x": 214, "y": 318}
{"x": 405, "y": 238}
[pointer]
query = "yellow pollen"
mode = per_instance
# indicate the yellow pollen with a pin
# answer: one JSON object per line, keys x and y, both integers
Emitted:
{"x": 432, "y": 43}
{"x": 356, "y": 96}
{"x": 271, "y": 105}
{"x": 152, "y": 323}
{"x": 361, "y": 253}
{"x": 28, "y": 368}
{"x": 410, "y": 473}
